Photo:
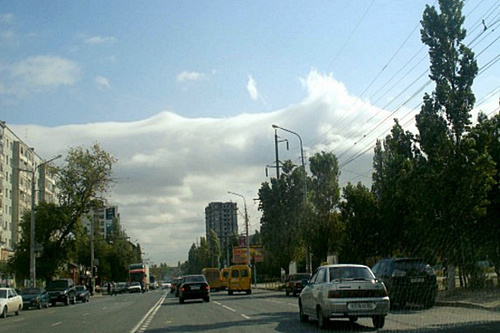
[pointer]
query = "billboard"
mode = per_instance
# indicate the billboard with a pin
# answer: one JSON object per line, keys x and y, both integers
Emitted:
{"x": 240, "y": 254}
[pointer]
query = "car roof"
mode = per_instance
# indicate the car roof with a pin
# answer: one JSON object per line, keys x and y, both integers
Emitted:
{"x": 344, "y": 265}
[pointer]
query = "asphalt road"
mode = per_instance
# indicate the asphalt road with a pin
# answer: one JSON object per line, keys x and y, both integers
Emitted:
{"x": 262, "y": 311}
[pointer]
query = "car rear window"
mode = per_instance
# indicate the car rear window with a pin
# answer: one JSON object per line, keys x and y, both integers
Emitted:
{"x": 350, "y": 273}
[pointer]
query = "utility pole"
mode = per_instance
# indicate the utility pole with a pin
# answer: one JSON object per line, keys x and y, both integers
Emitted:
{"x": 276, "y": 152}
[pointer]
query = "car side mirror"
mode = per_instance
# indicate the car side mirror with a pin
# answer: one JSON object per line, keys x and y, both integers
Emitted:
{"x": 304, "y": 282}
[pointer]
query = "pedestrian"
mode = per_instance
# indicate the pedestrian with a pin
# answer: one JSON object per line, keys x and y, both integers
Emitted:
{"x": 109, "y": 288}
{"x": 114, "y": 289}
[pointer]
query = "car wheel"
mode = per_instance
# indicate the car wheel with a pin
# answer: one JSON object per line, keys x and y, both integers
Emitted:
{"x": 66, "y": 301}
{"x": 207, "y": 299}
{"x": 303, "y": 317}
{"x": 18, "y": 310}
{"x": 322, "y": 321}
{"x": 4, "y": 312}
{"x": 378, "y": 321}
{"x": 181, "y": 300}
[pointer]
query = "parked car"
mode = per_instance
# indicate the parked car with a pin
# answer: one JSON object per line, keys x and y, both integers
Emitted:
{"x": 408, "y": 280}
{"x": 134, "y": 287}
{"x": 293, "y": 283}
{"x": 35, "y": 298}
{"x": 344, "y": 291}
{"x": 82, "y": 293}
{"x": 10, "y": 302}
{"x": 194, "y": 287}
{"x": 63, "y": 291}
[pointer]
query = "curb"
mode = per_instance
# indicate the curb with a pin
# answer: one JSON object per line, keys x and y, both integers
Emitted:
{"x": 467, "y": 305}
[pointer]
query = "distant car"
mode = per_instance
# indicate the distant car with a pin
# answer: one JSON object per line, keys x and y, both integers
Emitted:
{"x": 178, "y": 285}
{"x": 194, "y": 287}
{"x": 344, "y": 291}
{"x": 134, "y": 287}
{"x": 408, "y": 280}
{"x": 62, "y": 290}
{"x": 173, "y": 285}
{"x": 35, "y": 298}
{"x": 82, "y": 293}
{"x": 10, "y": 302}
{"x": 121, "y": 287}
{"x": 165, "y": 284}
{"x": 293, "y": 283}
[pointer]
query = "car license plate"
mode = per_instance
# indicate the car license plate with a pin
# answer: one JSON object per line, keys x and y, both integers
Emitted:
{"x": 361, "y": 306}
{"x": 417, "y": 280}
{"x": 195, "y": 287}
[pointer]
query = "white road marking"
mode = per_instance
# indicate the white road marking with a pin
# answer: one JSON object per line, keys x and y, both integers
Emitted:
{"x": 245, "y": 316}
{"x": 227, "y": 307}
{"x": 146, "y": 320}
{"x": 58, "y": 323}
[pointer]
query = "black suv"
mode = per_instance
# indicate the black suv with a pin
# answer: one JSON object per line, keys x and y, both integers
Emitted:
{"x": 63, "y": 291}
{"x": 408, "y": 280}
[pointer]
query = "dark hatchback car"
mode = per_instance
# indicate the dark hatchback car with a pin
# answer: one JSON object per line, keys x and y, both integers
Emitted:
{"x": 408, "y": 280}
{"x": 194, "y": 287}
{"x": 293, "y": 283}
{"x": 62, "y": 290}
{"x": 35, "y": 298}
{"x": 82, "y": 293}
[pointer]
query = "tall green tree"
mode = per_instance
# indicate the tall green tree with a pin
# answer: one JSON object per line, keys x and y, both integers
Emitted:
{"x": 394, "y": 189}
{"x": 215, "y": 250}
{"x": 457, "y": 171}
{"x": 82, "y": 182}
{"x": 362, "y": 234}
{"x": 282, "y": 203}
{"x": 324, "y": 228}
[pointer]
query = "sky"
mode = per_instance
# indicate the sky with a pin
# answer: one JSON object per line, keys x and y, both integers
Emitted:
{"x": 184, "y": 93}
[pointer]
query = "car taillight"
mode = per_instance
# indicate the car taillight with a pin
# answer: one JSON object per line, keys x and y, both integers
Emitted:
{"x": 207, "y": 287}
{"x": 183, "y": 289}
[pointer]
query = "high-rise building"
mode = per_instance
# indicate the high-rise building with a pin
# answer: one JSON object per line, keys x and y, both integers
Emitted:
{"x": 18, "y": 169}
{"x": 222, "y": 217}
{"x": 103, "y": 221}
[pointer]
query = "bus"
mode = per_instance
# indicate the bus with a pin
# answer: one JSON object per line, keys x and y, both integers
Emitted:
{"x": 213, "y": 277}
{"x": 139, "y": 273}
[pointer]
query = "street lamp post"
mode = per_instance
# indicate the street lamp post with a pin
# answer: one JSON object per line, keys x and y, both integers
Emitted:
{"x": 32, "y": 222}
{"x": 246, "y": 226}
{"x": 308, "y": 268}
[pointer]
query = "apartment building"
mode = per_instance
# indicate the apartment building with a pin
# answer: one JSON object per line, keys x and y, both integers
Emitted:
{"x": 104, "y": 220}
{"x": 19, "y": 167}
{"x": 222, "y": 217}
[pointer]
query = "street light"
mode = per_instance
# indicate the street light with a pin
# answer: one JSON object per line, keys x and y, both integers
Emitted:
{"x": 246, "y": 226}
{"x": 276, "y": 127}
{"x": 32, "y": 222}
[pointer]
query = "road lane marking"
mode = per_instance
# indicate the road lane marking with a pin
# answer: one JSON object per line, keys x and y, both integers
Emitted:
{"x": 146, "y": 320}
{"x": 227, "y": 307}
{"x": 245, "y": 316}
{"x": 56, "y": 324}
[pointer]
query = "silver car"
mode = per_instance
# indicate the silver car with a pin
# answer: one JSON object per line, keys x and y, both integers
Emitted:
{"x": 344, "y": 291}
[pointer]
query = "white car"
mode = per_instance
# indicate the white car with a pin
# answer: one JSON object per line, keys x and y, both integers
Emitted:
{"x": 344, "y": 291}
{"x": 10, "y": 302}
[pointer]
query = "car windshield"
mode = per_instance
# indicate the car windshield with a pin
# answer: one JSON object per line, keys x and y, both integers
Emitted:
{"x": 58, "y": 284}
{"x": 343, "y": 273}
{"x": 195, "y": 278}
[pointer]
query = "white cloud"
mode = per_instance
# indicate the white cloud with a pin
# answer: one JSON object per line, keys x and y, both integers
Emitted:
{"x": 46, "y": 71}
{"x": 99, "y": 40}
{"x": 102, "y": 82}
{"x": 190, "y": 76}
{"x": 252, "y": 88}
{"x": 170, "y": 167}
